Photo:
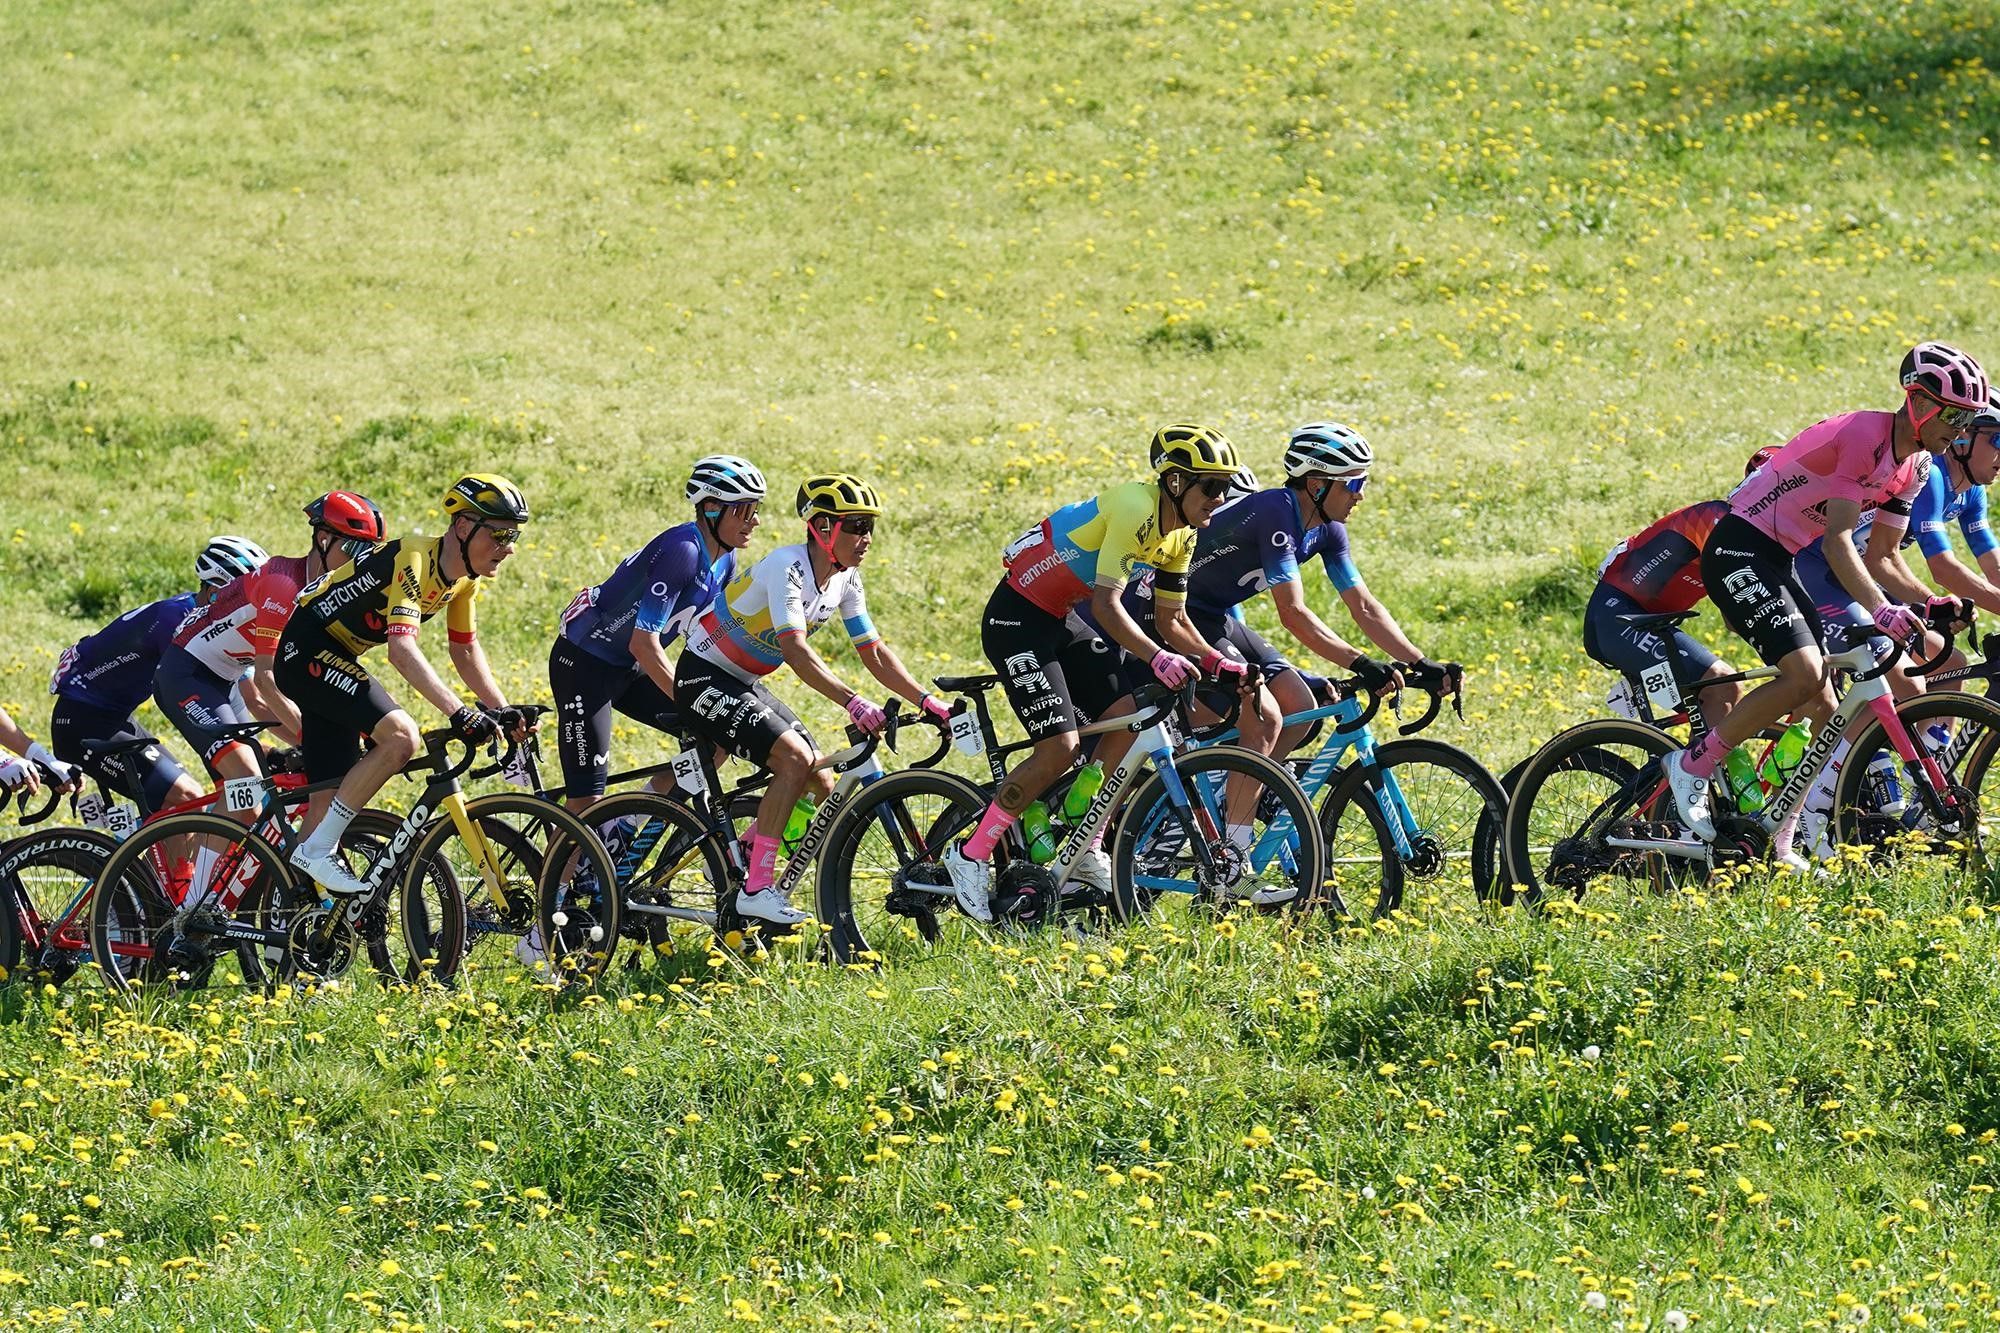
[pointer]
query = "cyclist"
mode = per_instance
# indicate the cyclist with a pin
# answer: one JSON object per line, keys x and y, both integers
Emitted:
{"x": 238, "y": 630}
{"x": 764, "y": 620}
{"x": 1657, "y": 570}
{"x": 1955, "y": 490}
{"x": 18, "y": 772}
{"x": 1054, "y": 670}
{"x": 383, "y": 598}
{"x": 1817, "y": 486}
{"x": 611, "y": 650}
{"x": 100, "y": 681}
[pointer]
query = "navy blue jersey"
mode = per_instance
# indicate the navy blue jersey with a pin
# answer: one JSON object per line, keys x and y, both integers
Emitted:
{"x": 1250, "y": 547}
{"x": 659, "y": 589}
{"x": 113, "y": 668}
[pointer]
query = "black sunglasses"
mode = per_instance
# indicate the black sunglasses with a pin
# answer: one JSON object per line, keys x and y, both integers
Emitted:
{"x": 860, "y": 527}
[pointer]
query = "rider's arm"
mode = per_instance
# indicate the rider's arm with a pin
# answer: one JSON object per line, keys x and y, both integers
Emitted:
{"x": 1883, "y": 563}
{"x": 1370, "y": 616}
{"x": 886, "y": 667}
{"x": 1956, "y": 578}
{"x": 468, "y": 658}
{"x": 414, "y": 667}
{"x": 1107, "y": 608}
{"x": 261, "y": 708}
{"x": 1982, "y": 589}
{"x": 1841, "y": 557}
{"x": 12, "y": 736}
{"x": 651, "y": 655}
{"x": 268, "y": 701}
{"x": 811, "y": 668}
{"x": 1302, "y": 624}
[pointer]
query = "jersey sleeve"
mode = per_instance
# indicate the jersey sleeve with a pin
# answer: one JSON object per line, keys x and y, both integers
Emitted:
{"x": 1927, "y": 516}
{"x": 784, "y": 589}
{"x": 1281, "y": 556}
{"x": 1894, "y": 512}
{"x": 273, "y": 595}
{"x": 1336, "y": 557}
{"x": 461, "y": 622}
{"x": 1972, "y": 522}
{"x": 1170, "y": 578}
{"x": 674, "y": 569}
{"x": 404, "y": 612}
{"x": 1120, "y": 555}
{"x": 854, "y": 613}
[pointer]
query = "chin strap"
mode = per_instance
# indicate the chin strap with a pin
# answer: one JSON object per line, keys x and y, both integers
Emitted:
{"x": 1319, "y": 501}
{"x": 1179, "y": 501}
{"x": 825, "y": 544}
{"x": 710, "y": 523}
{"x": 465, "y": 549}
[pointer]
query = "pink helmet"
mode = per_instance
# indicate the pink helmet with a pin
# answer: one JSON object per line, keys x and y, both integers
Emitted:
{"x": 1946, "y": 374}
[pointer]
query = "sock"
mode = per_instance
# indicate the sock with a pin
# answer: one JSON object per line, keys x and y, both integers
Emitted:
{"x": 327, "y": 836}
{"x": 1097, "y": 839}
{"x": 763, "y": 863}
{"x": 1241, "y": 836}
{"x": 992, "y": 825}
{"x": 204, "y": 870}
{"x": 1702, "y": 759}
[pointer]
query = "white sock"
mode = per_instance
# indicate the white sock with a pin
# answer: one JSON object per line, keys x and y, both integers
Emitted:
{"x": 327, "y": 836}
{"x": 1241, "y": 836}
{"x": 204, "y": 866}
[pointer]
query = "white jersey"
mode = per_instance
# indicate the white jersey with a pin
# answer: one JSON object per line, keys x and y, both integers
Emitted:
{"x": 743, "y": 631}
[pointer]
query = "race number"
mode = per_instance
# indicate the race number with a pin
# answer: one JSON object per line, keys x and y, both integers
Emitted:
{"x": 965, "y": 735}
{"x": 90, "y": 809}
{"x": 686, "y": 768}
{"x": 1661, "y": 691}
{"x": 516, "y": 772}
{"x": 241, "y": 795}
{"x": 121, "y": 819}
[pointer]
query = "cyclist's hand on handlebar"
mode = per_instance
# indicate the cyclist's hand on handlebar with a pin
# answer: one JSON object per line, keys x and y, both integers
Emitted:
{"x": 475, "y": 725}
{"x": 1228, "y": 671}
{"x": 19, "y": 775}
{"x": 67, "y": 777}
{"x": 866, "y": 714}
{"x": 1381, "y": 677}
{"x": 1171, "y": 669}
{"x": 515, "y": 722}
{"x": 935, "y": 708}
{"x": 1897, "y": 621}
{"x": 1945, "y": 609}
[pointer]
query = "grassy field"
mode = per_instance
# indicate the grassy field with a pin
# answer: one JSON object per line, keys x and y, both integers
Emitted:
{"x": 1565, "y": 265}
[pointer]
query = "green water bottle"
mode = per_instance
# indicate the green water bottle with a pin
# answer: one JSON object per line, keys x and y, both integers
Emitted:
{"x": 1089, "y": 781}
{"x": 1744, "y": 787}
{"x": 798, "y": 821}
{"x": 1785, "y": 754}
{"x": 1035, "y": 828}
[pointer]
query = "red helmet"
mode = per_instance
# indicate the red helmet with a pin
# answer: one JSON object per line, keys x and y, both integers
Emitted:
{"x": 347, "y": 514}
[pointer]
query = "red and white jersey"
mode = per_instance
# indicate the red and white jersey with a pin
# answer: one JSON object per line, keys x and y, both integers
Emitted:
{"x": 245, "y": 619}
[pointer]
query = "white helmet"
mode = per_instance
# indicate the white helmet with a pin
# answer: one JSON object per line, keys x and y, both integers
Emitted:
{"x": 227, "y": 558}
{"x": 1328, "y": 447}
{"x": 725, "y": 478}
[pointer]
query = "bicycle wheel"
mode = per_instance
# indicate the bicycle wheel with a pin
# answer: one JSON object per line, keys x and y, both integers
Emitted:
{"x": 510, "y": 916}
{"x": 1362, "y": 866}
{"x": 546, "y": 856}
{"x": 667, "y": 860}
{"x": 421, "y": 905}
{"x": 1162, "y": 846}
{"x": 142, "y": 934}
{"x": 1433, "y": 799}
{"x": 1568, "y": 793}
{"x": 44, "y": 912}
{"x": 1878, "y": 798}
{"x": 881, "y": 893}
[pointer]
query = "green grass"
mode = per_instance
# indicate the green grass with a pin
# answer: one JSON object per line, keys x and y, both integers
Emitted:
{"x": 1566, "y": 266}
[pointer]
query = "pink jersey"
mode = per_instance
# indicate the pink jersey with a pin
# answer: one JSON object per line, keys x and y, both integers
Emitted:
{"x": 1842, "y": 458}
{"x": 245, "y": 619}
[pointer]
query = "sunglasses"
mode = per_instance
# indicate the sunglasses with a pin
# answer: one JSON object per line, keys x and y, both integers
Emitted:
{"x": 859, "y": 527}
{"x": 503, "y": 536}
{"x": 1958, "y": 418}
{"x": 1355, "y": 485}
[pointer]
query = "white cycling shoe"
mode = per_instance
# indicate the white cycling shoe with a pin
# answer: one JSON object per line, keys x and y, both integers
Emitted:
{"x": 770, "y": 906}
{"x": 1091, "y": 871}
{"x": 971, "y": 883}
{"x": 328, "y": 872}
{"x": 528, "y": 949}
{"x": 1690, "y": 796}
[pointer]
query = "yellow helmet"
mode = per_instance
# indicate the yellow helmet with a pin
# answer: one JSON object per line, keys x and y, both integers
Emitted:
{"x": 837, "y": 494}
{"x": 1192, "y": 449}
{"x": 486, "y": 495}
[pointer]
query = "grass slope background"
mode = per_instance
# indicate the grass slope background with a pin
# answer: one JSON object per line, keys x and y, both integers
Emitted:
{"x": 1565, "y": 265}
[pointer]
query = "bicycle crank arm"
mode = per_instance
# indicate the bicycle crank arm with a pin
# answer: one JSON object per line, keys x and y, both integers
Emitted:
{"x": 1684, "y": 849}
{"x": 699, "y": 915}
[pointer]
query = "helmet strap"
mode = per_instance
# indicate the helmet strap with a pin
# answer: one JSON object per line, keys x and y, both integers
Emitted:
{"x": 708, "y": 517}
{"x": 465, "y": 545}
{"x": 1917, "y": 424}
{"x": 1319, "y": 501}
{"x": 1176, "y": 494}
{"x": 825, "y": 543}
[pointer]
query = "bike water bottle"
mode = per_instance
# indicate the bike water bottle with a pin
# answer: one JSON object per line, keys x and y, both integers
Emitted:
{"x": 1885, "y": 784}
{"x": 1783, "y": 758}
{"x": 1744, "y": 788}
{"x": 798, "y": 821}
{"x": 1040, "y": 837}
{"x": 1089, "y": 781}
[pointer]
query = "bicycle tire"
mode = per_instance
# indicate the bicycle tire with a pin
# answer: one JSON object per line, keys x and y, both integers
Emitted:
{"x": 129, "y": 907}
{"x": 558, "y": 838}
{"x": 33, "y": 868}
{"x": 1449, "y": 813}
{"x": 1857, "y": 817}
{"x": 920, "y": 810}
{"x": 668, "y": 856}
{"x": 1592, "y": 748}
{"x": 1150, "y": 827}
